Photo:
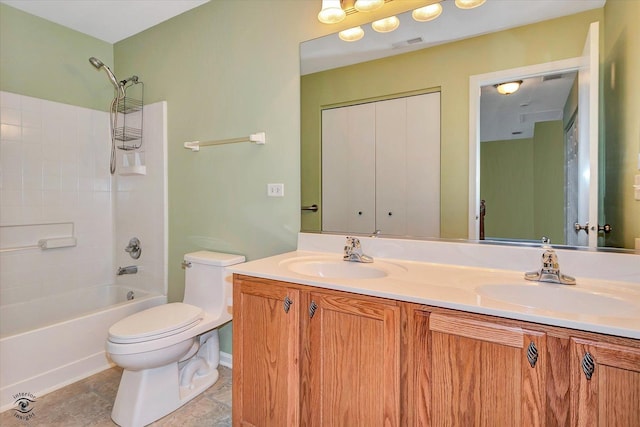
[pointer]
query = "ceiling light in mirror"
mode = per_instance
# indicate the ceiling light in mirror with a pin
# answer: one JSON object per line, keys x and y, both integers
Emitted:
{"x": 427, "y": 13}
{"x": 508, "y": 88}
{"x": 368, "y": 5}
{"x": 469, "y": 4}
{"x": 351, "y": 34}
{"x": 331, "y": 12}
{"x": 386, "y": 25}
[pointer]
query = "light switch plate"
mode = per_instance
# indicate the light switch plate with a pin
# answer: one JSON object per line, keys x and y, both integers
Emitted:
{"x": 275, "y": 190}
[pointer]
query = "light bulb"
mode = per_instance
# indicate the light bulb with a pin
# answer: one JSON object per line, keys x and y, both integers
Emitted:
{"x": 351, "y": 34}
{"x": 427, "y": 13}
{"x": 386, "y": 25}
{"x": 331, "y": 12}
{"x": 509, "y": 87}
{"x": 368, "y": 5}
{"x": 469, "y": 4}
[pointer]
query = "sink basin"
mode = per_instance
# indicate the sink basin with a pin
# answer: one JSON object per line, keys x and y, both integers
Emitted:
{"x": 336, "y": 268}
{"x": 560, "y": 298}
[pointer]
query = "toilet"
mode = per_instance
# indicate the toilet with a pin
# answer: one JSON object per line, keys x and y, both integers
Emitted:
{"x": 170, "y": 353}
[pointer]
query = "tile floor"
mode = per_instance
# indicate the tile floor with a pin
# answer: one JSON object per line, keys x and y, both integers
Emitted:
{"x": 88, "y": 403}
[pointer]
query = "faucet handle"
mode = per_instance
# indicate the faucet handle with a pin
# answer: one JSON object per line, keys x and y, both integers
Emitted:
{"x": 550, "y": 261}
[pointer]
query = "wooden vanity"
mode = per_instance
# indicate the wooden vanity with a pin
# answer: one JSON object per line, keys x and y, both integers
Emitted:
{"x": 306, "y": 355}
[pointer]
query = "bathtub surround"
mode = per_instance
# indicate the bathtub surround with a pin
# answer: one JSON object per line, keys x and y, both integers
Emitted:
{"x": 55, "y": 169}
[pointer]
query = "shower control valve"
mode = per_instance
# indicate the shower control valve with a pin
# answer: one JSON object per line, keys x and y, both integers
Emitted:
{"x": 134, "y": 248}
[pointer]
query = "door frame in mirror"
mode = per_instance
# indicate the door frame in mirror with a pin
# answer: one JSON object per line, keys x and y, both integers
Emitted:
{"x": 476, "y": 82}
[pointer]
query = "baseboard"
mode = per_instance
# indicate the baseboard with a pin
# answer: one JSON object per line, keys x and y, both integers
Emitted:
{"x": 226, "y": 359}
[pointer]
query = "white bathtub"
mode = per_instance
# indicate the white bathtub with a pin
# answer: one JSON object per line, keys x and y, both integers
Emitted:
{"x": 51, "y": 342}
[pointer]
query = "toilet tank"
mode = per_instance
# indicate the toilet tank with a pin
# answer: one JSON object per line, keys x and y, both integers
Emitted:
{"x": 207, "y": 284}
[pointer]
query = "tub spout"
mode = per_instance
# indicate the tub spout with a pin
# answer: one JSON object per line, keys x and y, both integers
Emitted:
{"x": 132, "y": 269}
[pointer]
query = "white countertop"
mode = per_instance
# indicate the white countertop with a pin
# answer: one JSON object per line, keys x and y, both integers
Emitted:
{"x": 593, "y": 304}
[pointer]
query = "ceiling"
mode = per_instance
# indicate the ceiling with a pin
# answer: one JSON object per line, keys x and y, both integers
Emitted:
{"x": 107, "y": 20}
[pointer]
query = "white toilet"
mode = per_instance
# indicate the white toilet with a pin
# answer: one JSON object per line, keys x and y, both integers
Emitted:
{"x": 170, "y": 353}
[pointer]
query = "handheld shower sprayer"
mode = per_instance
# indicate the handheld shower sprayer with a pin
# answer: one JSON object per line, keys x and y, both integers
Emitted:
{"x": 99, "y": 64}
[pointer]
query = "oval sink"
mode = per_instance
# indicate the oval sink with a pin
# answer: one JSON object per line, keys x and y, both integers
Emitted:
{"x": 336, "y": 268}
{"x": 560, "y": 298}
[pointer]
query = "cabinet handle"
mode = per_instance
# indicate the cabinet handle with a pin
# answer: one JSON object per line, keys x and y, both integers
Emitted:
{"x": 588, "y": 366}
{"x": 532, "y": 354}
{"x": 287, "y": 304}
{"x": 312, "y": 309}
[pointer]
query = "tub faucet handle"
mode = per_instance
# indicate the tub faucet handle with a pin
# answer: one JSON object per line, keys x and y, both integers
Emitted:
{"x": 134, "y": 248}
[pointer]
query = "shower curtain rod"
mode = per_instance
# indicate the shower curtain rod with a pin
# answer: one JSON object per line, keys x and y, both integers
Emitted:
{"x": 259, "y": 138}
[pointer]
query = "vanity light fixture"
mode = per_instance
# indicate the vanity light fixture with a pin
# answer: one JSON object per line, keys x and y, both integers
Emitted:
{"x": 331, "y": 12}
{"x": 427, "y": 13}
{"x": 508, "y": 88}
{"x": 351, "y": 34}
{"x": 469, "y": 4}
{"x": 386, "y": 25}
{"x": 368, "y": 5}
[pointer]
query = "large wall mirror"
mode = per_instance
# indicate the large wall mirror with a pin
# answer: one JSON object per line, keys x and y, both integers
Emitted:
{"x": 443, "y": 57}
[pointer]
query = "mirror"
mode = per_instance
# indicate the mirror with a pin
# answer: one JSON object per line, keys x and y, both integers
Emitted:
{"x": 429, "y": 66}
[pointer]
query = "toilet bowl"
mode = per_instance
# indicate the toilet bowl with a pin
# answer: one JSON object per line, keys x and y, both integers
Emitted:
{"x": 170, "y": 353}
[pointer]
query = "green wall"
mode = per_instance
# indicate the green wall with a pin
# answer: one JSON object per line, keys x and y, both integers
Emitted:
{"x": 448, "y": 67}
{"x": 621, "y": 89}
{"x": 519, "y": 182}
{"x": 45, "y": 60}
{"x": 506, "y": 184}
{"x": 548, "y": 176}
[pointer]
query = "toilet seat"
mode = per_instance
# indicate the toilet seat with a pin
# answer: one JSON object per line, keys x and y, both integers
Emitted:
{"x": 154, "y": 323}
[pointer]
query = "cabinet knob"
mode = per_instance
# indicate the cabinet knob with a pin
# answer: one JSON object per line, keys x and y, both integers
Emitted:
{"x": 588, "y": 365}
{"x": 312, "y": 309}
{"x": 532, "y": 354}
{"x": 359, "y": 212}
{"x": 390, "y": 213}
{"x": 287, "y": 304}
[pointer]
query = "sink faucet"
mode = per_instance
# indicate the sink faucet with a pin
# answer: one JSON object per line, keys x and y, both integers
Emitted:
{"x": 550, "y": 271}
{"x": 353, "y": 251}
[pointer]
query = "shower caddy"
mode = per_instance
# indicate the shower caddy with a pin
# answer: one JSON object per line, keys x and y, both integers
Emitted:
{"x": 130, "y": 110}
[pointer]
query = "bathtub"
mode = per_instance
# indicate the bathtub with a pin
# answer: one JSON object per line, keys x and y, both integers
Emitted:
{"x": 51, "y": 342}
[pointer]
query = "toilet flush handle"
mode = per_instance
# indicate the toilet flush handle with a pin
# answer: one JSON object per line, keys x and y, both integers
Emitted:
{"x": 186, "y": 264}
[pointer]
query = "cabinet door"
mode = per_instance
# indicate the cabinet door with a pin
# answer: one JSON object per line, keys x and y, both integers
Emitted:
{"x": 605, "y": 379}
{"x": 348, "y": 169}
{"x": 352, "y": 364}
{"x": 479, "y": 373}
{"x": 266, "y": 374}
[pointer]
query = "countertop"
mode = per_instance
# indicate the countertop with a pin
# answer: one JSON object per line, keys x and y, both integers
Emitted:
{"x": 595, "y": 305}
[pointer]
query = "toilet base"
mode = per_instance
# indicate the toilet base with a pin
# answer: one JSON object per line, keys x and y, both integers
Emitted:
{"x": 147, "y": 395}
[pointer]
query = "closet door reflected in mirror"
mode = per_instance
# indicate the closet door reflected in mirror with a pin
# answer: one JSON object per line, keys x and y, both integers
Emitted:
{"x": 381, "y": 167}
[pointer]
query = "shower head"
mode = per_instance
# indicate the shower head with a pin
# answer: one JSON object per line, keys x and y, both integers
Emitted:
{"x": 99, "y": 64}
{"x": 96, "y": 62}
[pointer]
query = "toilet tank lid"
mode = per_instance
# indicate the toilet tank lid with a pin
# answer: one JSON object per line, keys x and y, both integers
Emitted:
{"x": 214, "y": 258}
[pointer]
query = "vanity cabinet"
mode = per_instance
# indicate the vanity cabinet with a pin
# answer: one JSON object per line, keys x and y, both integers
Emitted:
{"x": 605, "y": 379}
{"x": 304, "y": 356}
{"x": 266, "y": 354}
{"x": 469, "y": 369}
{"x": 479, "y": 373}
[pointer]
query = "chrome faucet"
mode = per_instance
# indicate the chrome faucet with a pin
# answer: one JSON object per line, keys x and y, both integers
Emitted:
{"x": 353, "y": 251}
{"x": 550, "y": 271}
{"x": 132, "y": 269}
